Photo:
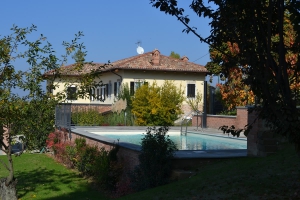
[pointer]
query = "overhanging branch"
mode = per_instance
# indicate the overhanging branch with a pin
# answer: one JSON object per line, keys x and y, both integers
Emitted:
{"x": 203, "y": 39}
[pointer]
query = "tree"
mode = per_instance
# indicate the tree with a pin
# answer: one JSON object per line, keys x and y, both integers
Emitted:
{"x": 234, "y": 91}
{"x": 79, "y": 56}
{"x": 153, "y": 105}
{"x": 257, "y": 27}
{"x": 31, "y": 113}
{"x": 35, "y": 131}
{"x": 124, "y": 94}
{"x": 195, "y": 103}
{"x": 174, "y": 55}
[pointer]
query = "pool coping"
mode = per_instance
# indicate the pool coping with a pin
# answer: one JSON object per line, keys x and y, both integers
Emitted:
{"x": 86, "y": 131}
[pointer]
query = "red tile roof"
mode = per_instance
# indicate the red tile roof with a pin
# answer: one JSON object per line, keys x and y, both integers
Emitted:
{"x": 138, "y": 62}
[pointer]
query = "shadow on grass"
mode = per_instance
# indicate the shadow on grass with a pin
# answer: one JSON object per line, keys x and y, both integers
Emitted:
{"x": 43, "y": 183}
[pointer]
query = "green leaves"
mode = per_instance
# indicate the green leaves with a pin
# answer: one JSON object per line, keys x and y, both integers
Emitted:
{"x": 155, "y": 159}
{"x": 87, "y": 118}
{"x": 155, "y": 105}
{"x": 174, "y": 55}
{"x": 31, "y": 113}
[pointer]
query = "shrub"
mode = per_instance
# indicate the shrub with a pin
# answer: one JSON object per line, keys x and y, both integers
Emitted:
{"x": 101, "y": 167}
{"x": 107, "y": 171}
{"x": 86, "y": 160}
{"x": 155, "y": 159}
{"x": 100, "y": 164}
{"x": 57, "y": 142}
{"x": 54, "y": 140}
{"x": 87, "y": 118}
{"x": 71, "y": 155}
{"x": 80, "y": 143}
{"x": 123, "y": 187}
{"x": 228, "y": 112}
{"x": 154, "y": 105}
{"x": 118, "y": 119}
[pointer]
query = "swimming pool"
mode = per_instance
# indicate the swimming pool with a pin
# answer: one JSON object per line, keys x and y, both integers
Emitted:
{"x": 193, "y": 141}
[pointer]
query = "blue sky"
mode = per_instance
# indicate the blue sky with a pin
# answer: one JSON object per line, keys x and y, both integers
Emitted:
{"x": 111, "y": 28}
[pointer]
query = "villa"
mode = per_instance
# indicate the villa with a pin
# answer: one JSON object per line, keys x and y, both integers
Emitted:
{"x": 134, "y": 71}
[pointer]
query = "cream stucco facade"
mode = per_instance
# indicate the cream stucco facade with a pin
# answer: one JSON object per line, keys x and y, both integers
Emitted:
{"x": 111, "y": 80}
{"x": 148, "y": 67}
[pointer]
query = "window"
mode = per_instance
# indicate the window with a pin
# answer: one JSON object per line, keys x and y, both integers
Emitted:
{"x": 102, "y": 93}
{"x": 92, "y": 94}
{"x": 99, "y": 93}
{"x": 117, "y": 86}
{"x": 105, "y": 91}
{"x": 109, "y": 89}
{"x": 191, "y": 90}
{"x": 134, "y": 85}
{"x": 71, "y": 93}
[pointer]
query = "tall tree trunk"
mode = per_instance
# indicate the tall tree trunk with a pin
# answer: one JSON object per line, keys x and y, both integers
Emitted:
{"x": 10, "y": 177}
{"x": 8, "y": 192}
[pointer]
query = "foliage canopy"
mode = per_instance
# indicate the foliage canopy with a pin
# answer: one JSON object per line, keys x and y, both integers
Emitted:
{"x": 155, "y": 105}
{"x": 174, "y": 55}
{"x": 31, "y": 113}
{"x": 155, "y": 159}
{"x": 267, "y": 51}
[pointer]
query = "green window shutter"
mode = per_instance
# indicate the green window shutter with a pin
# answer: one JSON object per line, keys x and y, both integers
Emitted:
{"x": 115, "y": 89}
{"x": 191, "y": 90}
{"x": 131, "y": 88}
{"x": 106, "y": 90}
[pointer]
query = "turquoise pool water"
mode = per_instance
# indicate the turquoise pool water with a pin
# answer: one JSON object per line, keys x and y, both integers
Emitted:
{"x": 190, "y": 142}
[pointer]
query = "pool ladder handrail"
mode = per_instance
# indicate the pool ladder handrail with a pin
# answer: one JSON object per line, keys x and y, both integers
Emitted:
{"x": 186, "y": 119}
{"x": 189, "y": 119}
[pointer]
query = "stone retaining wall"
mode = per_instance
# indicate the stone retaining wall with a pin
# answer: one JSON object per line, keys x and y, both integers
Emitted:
{"x": 128, "y": 157}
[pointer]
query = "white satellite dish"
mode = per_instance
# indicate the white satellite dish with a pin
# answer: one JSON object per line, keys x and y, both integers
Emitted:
{"x": 140, "y": 50}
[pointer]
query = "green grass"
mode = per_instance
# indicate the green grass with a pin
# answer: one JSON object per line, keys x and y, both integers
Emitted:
{"x": 40, "y": 177}
{"x": 272, "y": 177}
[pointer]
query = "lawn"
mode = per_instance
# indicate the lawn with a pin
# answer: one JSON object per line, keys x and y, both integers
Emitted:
{"x": 40, "y": 177}
{"x": 272, "y": 177}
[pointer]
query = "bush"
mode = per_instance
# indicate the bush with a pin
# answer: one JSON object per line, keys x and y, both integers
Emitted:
{"x": 87, "y": 118}
{"x": 80, "y": 143}
{"x": 118, "y": 119}
{"x": 228, "y": 112}
{"x": 71, "y": 155}
{"x": 86, "y": 160}
{"x": 107, "y": 171}
{"x": 100, "y": 164}
{"x": 155, "y": 159}
{"x": 57, "y": 142}
{"x": 154, "y": 105}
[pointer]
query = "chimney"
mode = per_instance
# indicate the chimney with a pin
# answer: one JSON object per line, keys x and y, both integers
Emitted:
{"x": 185, "y": 58}
{"x": 155, "y": 57}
